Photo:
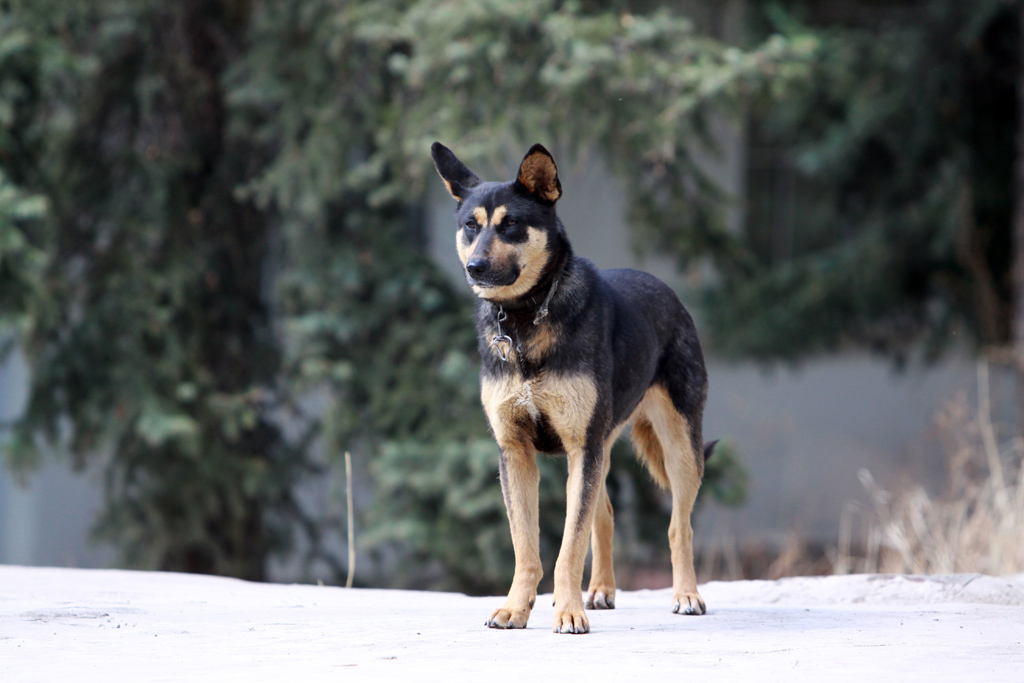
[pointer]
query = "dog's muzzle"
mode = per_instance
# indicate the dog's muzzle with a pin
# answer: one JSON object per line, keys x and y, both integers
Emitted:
{"x": 484, "y": 273}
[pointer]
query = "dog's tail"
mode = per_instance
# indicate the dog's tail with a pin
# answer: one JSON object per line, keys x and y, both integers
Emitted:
{"x": 709, "y": 448}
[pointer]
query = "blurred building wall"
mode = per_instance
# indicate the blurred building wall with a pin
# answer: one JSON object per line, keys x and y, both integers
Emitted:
{"x": 45, "y": 519}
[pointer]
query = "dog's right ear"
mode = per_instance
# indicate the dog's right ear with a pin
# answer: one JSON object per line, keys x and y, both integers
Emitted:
{"x": 456, "y": 176}
{"x": 539, "y": 175}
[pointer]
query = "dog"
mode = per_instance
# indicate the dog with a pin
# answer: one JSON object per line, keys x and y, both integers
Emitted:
{"x": 570, "y": 356}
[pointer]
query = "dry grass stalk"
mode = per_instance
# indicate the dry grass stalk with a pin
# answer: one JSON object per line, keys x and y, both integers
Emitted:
{"x": 351, "y": 523}
{"x": 975, "y": 525}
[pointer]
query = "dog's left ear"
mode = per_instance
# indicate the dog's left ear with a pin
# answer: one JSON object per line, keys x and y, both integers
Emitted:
{"x": 539, "y": 176}
{"x": 456, "y": 175}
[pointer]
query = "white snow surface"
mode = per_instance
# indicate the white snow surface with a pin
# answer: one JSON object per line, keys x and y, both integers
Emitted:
{"x": 110, "y": 625}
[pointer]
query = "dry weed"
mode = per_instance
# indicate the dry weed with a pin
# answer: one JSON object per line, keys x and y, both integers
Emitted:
{"x": 975, "y": 525}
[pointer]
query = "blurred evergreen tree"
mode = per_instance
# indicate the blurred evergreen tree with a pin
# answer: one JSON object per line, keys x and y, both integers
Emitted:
{"x": 214, "y": 208}
{"x": 144, "y": 303}
{"x": 881, "y": 204}
{"x": 363, "y": 91}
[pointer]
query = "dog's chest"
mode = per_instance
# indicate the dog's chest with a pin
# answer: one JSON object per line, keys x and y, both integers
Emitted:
{"x": 519, "y": 408}
{"x": 523, "y": 400}
{"x": 512, "y": 400}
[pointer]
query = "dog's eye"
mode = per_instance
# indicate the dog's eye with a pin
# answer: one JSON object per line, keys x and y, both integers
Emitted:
{"x": 470, "y": 225}
{"x": 510, "y": 222}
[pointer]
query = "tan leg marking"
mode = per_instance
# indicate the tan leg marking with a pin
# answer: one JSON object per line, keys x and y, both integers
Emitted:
{"x": 520, "y": 481}
{"x": 569, "y": 611}
{"x": 601, "y": 592}
{"x": 674, "y": 459}
{"x": 568, "y": 402}
{"x": 648, "y": 449}
{"x": 511, "y": 405}
{"x": 509, "y": 413}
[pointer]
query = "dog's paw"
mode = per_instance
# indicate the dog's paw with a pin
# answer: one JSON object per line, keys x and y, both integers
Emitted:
{"x": 688, "y": 603}
{"x": 571, "y": 622}
{"x": 601, "y": 597}
{"x": 508, "y": 618}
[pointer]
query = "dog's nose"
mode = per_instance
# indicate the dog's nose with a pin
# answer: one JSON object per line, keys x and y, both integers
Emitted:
{"x": 478, "y": 267}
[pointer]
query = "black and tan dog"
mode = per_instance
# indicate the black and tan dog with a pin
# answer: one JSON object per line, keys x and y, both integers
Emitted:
{"x": 571, "y": 355}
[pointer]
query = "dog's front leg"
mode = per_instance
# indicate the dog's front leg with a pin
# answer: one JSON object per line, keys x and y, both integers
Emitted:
{"x": 520, "y": 480}
{"x": 585, "y": 469}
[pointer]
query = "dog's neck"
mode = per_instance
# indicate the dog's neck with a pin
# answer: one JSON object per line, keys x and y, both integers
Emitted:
{"x": 502, "y": 341}
{"x": 540, "y": 295}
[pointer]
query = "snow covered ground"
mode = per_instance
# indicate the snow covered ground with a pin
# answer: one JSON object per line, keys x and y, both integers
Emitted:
{"x": 105, "y": 625}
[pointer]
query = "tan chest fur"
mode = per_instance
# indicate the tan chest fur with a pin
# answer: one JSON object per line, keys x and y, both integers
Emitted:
{"x": 514, "y": 406}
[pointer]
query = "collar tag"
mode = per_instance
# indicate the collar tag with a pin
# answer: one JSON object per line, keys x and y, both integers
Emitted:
{"x": 503, "y": 345}
{"x": 502, "y": 339}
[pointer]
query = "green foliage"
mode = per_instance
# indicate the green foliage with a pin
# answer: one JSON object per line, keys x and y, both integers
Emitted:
{"x": 21, "y": 263}
{"x": 145, "y": 317}
{"x": 900, "y": 149}
{"x": 725, "y": 478}
{"x": 233, "y": 222}
{"x": 22, "y": 259}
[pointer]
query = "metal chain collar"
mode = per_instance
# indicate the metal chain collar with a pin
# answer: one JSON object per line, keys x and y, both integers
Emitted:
{"x": 503, "y": 343}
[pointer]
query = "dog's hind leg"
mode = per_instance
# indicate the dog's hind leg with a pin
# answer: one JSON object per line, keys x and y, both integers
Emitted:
{"x": 674, "y": 460}
{"x": 601, "y": 593}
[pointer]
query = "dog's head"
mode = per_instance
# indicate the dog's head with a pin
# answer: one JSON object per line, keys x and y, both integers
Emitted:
{"x": 506, "y": 232}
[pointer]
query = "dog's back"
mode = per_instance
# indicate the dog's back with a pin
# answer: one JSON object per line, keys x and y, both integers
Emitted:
{"x": 651, "y": 325}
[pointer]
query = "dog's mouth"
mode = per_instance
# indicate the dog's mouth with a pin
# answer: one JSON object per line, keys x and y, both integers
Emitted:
{"x": 494, "y": 280}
